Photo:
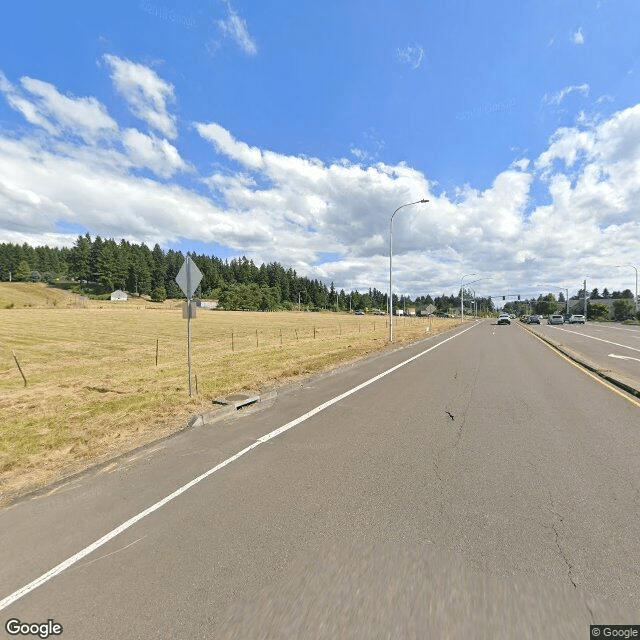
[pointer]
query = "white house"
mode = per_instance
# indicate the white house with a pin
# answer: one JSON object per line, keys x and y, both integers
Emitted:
{"x": 207, "y": 304}
{"x": 118, "y": 294}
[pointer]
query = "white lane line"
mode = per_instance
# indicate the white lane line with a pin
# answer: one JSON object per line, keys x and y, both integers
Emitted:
{"x": 614, "y": 355}
{"x": 58, "y": 569}
{"x": 625, "y": 329}
{"x": 586, "y": 335}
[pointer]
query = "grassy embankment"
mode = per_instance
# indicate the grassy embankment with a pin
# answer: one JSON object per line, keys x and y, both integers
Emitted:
{"x": 93, "y": 386}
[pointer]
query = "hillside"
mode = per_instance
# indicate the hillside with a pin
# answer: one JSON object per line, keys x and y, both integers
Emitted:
{"x": 18, "y": 295}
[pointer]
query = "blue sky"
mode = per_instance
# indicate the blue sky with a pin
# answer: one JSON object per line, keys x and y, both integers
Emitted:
{"x": 291, "y": 131}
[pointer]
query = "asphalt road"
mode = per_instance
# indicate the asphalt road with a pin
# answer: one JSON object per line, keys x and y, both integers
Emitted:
{"x": 612, "y": 349}
{"x": 488, "y": 488}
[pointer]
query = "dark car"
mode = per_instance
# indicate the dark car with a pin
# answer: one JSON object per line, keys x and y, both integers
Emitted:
{"x": 534, "y": 319}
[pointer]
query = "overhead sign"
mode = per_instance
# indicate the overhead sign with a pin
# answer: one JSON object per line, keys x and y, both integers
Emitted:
{"x": 189, "y": 277}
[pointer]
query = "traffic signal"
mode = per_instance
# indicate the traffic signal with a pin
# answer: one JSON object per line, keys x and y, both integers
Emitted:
{"x": 518, "y": 296}
{"x": 504, "y": 297}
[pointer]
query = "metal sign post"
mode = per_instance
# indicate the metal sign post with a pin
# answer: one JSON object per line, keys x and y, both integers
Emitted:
{"x": 188, "y": 279}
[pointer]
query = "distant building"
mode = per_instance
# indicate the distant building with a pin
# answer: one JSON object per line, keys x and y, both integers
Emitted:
{"x": 411, "y": 311}
{"x": 207, "y": 304}
{"x": 118, "y": 294}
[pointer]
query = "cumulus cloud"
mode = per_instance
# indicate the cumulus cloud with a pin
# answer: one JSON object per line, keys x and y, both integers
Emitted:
{"x": 154, "y": 153}
{"x": 297, "y": 210}
{"x": 43, "y": 105}
{"x": 145, "y": 92}
{"x": 234, "y": 27}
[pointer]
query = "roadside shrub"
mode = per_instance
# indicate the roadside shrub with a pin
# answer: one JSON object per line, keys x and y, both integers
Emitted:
{"x": 159, "y": 294}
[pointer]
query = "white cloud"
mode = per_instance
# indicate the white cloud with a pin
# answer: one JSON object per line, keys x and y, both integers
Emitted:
{"x": 225, "y": 143}
{"x": 145, "y": 92}
{"x": 84, "y": 116}
{"x": 274, "y": 206}
{"x": 557, "y": 98}
{"x": 577, "y": 37}
{"x": 234, "y": 27}
{"x": 154, "y": 153}
{"x": 411, "y": 55}
{"x": 43, "y": 105}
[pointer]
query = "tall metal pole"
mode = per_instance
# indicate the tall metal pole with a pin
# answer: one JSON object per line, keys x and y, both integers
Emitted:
{"x": 585, "y": 299}
{"x": 635, "y": 300}
{"x": 467, "y": 275}
{"x": 390, "y": 262}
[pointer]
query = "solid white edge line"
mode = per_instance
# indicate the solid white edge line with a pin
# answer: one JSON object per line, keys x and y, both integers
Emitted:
{"x": 58, "y": 569}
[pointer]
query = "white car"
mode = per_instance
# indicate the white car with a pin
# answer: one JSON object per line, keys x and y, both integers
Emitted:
{"x": 576, "y": 318}
{"x": 504, "y": 318}
{"x": 555, "y": 318}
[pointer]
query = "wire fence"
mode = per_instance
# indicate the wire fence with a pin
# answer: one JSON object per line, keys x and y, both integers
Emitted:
{"x": 234, "y": 339}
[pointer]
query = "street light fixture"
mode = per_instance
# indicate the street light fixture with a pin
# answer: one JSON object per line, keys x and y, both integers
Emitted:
{"x": 467, "y": 275}
{"x": 635, "y": 300}
{"x": 390, "y": 260}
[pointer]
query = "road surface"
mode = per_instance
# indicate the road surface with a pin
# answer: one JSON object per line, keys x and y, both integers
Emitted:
{"x": 476, "y": 484}
{"x": 613, "y": 349}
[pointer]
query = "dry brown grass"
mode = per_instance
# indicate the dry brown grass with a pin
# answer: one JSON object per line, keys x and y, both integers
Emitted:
{"x": 94, "y": 390}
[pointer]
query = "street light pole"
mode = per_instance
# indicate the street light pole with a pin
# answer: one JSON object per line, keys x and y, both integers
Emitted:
{"x": 467, "y": 275}
{"x": 390, "y": 260}
{"x": 635, "y": 300}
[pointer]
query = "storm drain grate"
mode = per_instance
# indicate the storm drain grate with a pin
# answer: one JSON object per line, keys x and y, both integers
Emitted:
{"x": 238, "y": 400}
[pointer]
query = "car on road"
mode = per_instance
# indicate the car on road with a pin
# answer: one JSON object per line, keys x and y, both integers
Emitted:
{"x": 555, "y": 318}
{"x": 534, "y": 319}
{"x": 524, "y": 318}
{"x": 359, "y": 312}
{"x": 504, "y": 318}
{"x": 577, "y": 318}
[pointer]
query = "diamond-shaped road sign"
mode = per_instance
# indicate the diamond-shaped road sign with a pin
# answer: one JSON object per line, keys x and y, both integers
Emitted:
{"x": 189, "y": 277}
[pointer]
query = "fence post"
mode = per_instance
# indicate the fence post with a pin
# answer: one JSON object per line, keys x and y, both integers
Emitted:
{"x": 19, "y": 367}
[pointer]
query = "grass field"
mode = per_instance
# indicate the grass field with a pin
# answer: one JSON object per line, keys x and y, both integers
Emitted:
{"x": 93, "y": 387}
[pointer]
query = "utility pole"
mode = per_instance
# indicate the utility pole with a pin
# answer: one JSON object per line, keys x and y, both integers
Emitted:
{"x": 585, "y": 299}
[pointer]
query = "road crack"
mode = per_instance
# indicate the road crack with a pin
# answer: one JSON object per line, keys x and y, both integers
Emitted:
{"x": 558, "y": 540}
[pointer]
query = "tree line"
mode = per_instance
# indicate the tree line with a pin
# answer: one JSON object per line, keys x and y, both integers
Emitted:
{"x": 622, "y": 306}
{"x": 97, "y": 266}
